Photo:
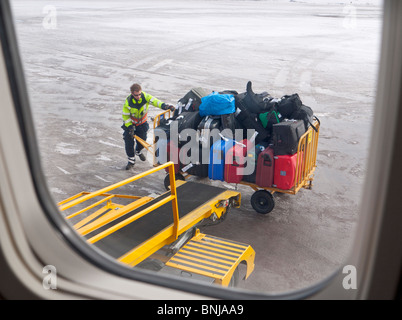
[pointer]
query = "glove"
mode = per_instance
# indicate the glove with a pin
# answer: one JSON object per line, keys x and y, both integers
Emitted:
{"x": 167, "y": 106}
{"x": 131, "y": 130}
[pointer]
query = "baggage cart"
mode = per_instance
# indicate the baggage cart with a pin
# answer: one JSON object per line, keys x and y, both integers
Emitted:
{"x": 262, "y": 200}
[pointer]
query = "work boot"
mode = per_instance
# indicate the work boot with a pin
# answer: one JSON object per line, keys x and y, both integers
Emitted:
{"x": 131, "y": 163}
{"x": 141, "y": 156}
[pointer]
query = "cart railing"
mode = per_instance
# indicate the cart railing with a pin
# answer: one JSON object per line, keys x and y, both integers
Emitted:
{"x": 306, "y": 158}
{"x": 305, "y": 163}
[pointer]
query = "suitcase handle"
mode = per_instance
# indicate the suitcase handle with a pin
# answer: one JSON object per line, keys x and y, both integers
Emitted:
{"x": 235, "y": 162}
{"x": 267, "y": 159}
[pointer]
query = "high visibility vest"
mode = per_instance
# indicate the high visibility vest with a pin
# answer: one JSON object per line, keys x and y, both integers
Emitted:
{"x": 135, "y": 112}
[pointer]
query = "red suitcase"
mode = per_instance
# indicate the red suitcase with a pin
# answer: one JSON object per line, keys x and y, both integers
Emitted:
{"x": 265, "y": 168}
{"x": 235, "y": 161}
{"x": 285, "y": 171}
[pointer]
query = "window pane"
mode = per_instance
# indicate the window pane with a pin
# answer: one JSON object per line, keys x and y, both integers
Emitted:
{"x": 81, "y": 58}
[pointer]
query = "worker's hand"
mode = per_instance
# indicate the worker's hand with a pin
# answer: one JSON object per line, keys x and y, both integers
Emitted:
{"x": 167, "y": 106}
{"x": 131, "y": 130}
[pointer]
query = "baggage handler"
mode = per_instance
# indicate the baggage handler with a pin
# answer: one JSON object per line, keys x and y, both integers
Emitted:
{"x": 135, "y": 112}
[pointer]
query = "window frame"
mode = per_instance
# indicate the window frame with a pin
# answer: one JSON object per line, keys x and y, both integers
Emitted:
{"x": 28, "y": 210}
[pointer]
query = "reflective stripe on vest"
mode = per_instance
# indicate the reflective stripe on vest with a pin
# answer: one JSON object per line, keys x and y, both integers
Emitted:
{"x": 139, "y": 110}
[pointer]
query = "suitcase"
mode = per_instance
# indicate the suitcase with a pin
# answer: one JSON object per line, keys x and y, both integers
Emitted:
{"x": 253, "y": 154}
{"x": 285, "y": 171}
{"x": 172, "y": 154}
{"x": 161, "y": 150}
{"x": 191, "y": 101}
{"x": 235, "y": 161}
{"x": 265, "y": 168}
{"x": 163, "y": 130}
{"x": 206, "y": 133}
{"x": 249, "y": 177}
{"x": 228, "y": 122}
{"x": 196, "y": 167}
{"x": 286, "y": 136}
{"x": 217, "y": 159}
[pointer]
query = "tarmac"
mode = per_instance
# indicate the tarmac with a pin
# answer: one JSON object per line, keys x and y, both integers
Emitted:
{"x": 81, "y": 59}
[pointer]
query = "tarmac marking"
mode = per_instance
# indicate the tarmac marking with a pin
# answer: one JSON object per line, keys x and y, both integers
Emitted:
{"x": 62, "y": 170}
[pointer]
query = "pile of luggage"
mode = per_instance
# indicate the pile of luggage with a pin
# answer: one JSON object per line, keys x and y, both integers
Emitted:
{"x": 234, "y": 137}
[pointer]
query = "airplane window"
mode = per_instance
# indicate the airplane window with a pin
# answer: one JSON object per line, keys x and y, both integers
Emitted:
{"x": 80, "y": 61}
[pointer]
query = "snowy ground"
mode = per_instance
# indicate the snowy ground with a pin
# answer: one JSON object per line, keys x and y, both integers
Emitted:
{"x": 80, "y": 60}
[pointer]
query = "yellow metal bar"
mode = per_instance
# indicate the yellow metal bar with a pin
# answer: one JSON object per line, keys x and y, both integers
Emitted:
{"x": 71, "y": 198}
{"x": 114, "y": 186}
{"x": 113, "y": 215}
{"x": 130, "y": 220}
{"x": 89, "y": 207}
{"x": 157, "y": 119}
{"x": 213, "y": 257}
{"x": 147, "y": 248}
{"x": 91, "y": 217}
{"x": 143, "y": 143}
{"x": 175, "y": 208}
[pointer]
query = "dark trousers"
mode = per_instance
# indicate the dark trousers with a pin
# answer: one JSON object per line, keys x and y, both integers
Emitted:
{"x": 140, "y": 131}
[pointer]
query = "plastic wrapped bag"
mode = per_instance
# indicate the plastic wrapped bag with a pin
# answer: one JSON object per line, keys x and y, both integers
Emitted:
{"x": 216, "y": 104}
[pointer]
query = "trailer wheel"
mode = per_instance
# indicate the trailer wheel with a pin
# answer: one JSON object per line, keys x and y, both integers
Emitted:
{"x": 262, "y": 201}
{"x": 166, "y": 182}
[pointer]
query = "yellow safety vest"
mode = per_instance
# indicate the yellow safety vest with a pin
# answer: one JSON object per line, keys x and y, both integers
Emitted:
{"x": 135, "y": 112}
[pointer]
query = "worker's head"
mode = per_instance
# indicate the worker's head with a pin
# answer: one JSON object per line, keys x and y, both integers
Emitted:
{"x": 136, "y": 91}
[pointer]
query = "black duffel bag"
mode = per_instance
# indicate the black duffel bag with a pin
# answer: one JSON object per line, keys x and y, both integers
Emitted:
{"x": 306, "y": 114}
{"x": 249, "y": 121}
{"x": 255, "y": 102}
{"x": 289, "y": 104}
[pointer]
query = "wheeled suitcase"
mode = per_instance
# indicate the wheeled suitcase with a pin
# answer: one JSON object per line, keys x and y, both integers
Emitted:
{"x": 217, "y": 159}
{"x": 285, "y": 170}
{"x": 265, "y": 168}
{"x": 252, "y": 155}
{"x": 286, "y": 136}
{"x": 235, "y": 161}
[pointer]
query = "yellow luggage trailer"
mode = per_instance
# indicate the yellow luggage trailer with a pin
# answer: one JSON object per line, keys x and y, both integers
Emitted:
{"x": 141, "y": 229}
{"x": 262, "y": 199}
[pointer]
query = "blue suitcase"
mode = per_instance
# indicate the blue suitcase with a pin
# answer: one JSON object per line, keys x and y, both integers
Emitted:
{"x": 217, "y": 158}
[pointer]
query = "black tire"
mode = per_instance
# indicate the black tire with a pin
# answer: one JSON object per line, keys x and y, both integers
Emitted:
{"x": 166, "y": 182}
{"x": 262, "y": 201}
